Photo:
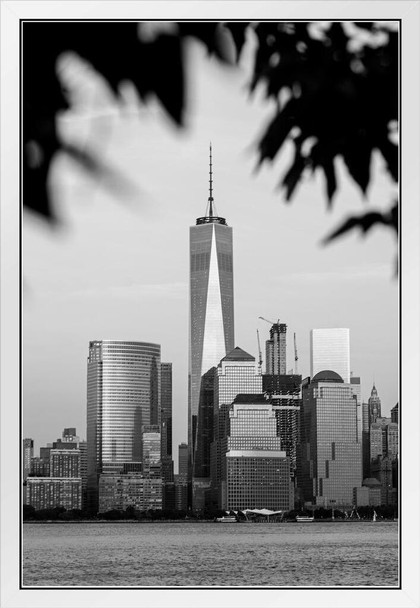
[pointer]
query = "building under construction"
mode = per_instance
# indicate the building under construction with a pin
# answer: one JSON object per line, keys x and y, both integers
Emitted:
{"x": 285, "y": 395}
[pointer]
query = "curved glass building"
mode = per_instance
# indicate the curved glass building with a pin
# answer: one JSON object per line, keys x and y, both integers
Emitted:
{"x": 123, "y": 395}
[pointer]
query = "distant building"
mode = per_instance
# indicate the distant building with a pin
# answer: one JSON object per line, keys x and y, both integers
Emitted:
{"x": 65, "y": 463}
{"x": 374, "y": 405}
{"x": 255, "y": 470}
{"x": 166, "y": 409}
{"x": 27, "y": 455}
{"x": 357, "y": 392}
{"x": 40, "y": 467}
{"x": 285, "y": 396}
{"x": 237, "y": 373}
{"x": 181, "y": 492}
{"x": 394, "y": 414}
{"x": 183, "y": 461}
{"x": 51, "y": 492}
{"x": 83, "y": 471}
{"x": 44, "y": 452}
{"x": 369, "y": 495}
{"x": 331, "y": 456}
{"x": 123, "y": 395}
{"x": 383, "y": 469}
{"x": 330, "y": 350}
{"x": 275, "y": 350}
{"x": 129, "y": 490}
{"x": 151, "y": 443}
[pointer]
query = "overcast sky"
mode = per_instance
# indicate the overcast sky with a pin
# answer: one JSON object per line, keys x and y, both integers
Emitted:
{"x": 118, "y": 268}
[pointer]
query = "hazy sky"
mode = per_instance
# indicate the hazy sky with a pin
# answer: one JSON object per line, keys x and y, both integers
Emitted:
{"x": 118, "y": 268}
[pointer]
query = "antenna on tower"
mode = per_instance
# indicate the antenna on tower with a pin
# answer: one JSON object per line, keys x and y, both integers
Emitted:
{"x": 211, "y": 186}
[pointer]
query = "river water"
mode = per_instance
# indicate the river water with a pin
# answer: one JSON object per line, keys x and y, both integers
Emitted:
{"x": 209, "y": 554}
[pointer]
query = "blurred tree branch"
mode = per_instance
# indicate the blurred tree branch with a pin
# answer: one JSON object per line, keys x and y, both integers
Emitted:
{"x": 336, "y": 93}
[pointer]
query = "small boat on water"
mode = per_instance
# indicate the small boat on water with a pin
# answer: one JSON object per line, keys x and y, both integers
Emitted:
{"x": 226, "y": 519}
{"x": 304, "y": 518}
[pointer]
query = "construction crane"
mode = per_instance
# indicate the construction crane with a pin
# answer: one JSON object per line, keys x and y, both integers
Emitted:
{"x": 296, "y": 354}
{"x": 259, "y": 350}
{"x": 271, "y": 322}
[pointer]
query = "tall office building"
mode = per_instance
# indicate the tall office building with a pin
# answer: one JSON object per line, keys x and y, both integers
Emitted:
{"x": 285, "y": 396}
{"x": 123, "y": 394}
{"x": 357, "y": 392}
{"x": 275, "y": 350}
{"x": 371, "y": 412}
{"x": 255, "y": 469}
{"x": 166, "y": 408}
{"x": 83, "y": 471}
{"x": 211, "y": 327}
{"x": 183, "y": 461}
{"x": 28, "y": 454}
{"x": 237, "y": 373}
{"x": 331, "y": 455}
{"x": 330, "y": 350}
{"x": 181, "y": 480}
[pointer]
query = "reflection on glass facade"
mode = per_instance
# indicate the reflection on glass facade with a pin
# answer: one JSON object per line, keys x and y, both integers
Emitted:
{"x": 123, "y": 394}
{"x": 331, "y": 457}
{"x": 211, "y": 329}
{"x": 330, "y": 349}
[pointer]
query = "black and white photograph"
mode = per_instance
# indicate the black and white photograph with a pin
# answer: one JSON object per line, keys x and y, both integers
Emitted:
{"x": 210, "y": 300}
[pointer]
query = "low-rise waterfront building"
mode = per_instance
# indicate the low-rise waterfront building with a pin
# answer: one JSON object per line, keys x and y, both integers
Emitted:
{"x": 51, "y": 492}
{"x": 129, "y": 490}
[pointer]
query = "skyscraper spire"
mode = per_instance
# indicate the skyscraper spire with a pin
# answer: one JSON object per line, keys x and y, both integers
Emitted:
{"x": 211, "y": 187}
{"x": 211, "y": 216}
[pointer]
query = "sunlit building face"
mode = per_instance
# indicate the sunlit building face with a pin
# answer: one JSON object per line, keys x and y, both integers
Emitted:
{"x": 330, "y": 350}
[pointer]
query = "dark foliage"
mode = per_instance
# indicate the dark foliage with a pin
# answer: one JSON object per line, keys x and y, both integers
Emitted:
{"x": 338, "y": 102}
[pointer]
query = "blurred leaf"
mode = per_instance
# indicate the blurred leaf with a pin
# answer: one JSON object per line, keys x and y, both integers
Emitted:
{"x": 238, "y": 31}
{"x": 365, "y": 222}
{"x": 293, "y": 175}
{"x": 277, "y": 131}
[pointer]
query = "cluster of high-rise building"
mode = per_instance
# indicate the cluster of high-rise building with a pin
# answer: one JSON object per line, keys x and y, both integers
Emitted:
{"x": 255, "y": 440}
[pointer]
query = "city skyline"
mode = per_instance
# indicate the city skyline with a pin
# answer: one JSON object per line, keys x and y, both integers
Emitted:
{"x": 132, "y": 289}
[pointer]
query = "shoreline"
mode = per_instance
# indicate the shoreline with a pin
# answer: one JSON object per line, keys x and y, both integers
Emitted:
{"x": 201, "y": 521}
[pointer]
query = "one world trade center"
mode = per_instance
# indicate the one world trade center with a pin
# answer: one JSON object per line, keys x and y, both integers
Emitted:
{"x": 211, "y": 329}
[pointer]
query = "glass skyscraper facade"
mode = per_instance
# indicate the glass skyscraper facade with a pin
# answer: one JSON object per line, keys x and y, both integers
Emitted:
{"x": 123, "y": 395}
{"x": 331, "y": 457}
{"x": 211, "y": 327}
{"x": 330, "y": 350}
